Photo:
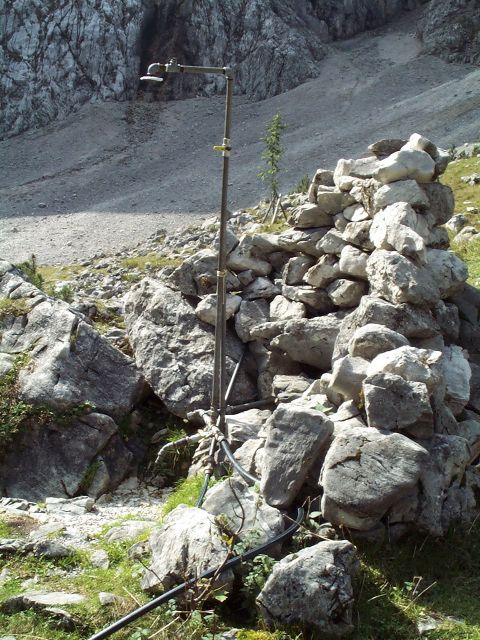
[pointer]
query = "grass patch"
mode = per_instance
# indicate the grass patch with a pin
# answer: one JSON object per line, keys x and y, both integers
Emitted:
{"x": 16, "y": 414}
{"x": 469, "y": 252}
{"x": 464, "y": 193}
{"x": 394, "y": 577}
{"x": 9, "y": 307}
{"x": 157, "y": 262}
{"x": 186, "y": 492}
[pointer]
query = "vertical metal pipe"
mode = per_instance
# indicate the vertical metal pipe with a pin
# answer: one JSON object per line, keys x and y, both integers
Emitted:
{"x": 219, "y": 369}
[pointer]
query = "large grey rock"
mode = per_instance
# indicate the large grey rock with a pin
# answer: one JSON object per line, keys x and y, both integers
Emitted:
{"x": 310, "y": 341}
{"x": 332, "y": 202}
{"x": 353, "y": 262}
{"x": 412, "y": 364}
{"x": 282, "y": 308}
{"x": 310, "y": 215}
{"x": 295, "y": 437}
{"x": 304, "y": 240}
{"x": 365, "y": 473}
{"x": 69, "y": 362}
{"x": 206, "y": 309}
{"x": 313, "y": 587}
{"x": 188, "y": 543}
{"x": 197, "y": 275}
{"x": 406, "y": 164}
{"x": 260, "y": 288}
{"x": 246, "y": 255}
{"x": 442, "y": 202}
{"x": 332, "y": 242}
{"x": 398, "y": 279}
{"x": 387, "y": 232}
{"x": 410, "y": 321}
{"x": 288, "y": 388}
{"x": 346, "y": 293}
{"x": 54, "y": 459}
{"x": 407, "y": 191}
{"x": 175, "y": 350}
{"x": 358, "y": 234}
{"x": 244, "y": 511}
{"x": 371, "y": 339}
{"x": 457, "y": 373}
{"x": 393, "y": 404}
{"x": 348, "y": 374}
{"x": 325, "y": 271}
{"x": 296, "y": 268}
{"x": 445, "y": 466}
{"x": 251, "y": 314}
{"x": 312, "y": 297}
{"x": 361, "y": 168}
{"x": 244, "y": 426}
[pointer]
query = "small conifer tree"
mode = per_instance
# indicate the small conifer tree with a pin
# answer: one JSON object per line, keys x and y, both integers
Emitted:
{"x": 272, "y": 155}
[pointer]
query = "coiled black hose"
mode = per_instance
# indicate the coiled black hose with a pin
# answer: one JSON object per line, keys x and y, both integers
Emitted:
{"x": 209, "y": 573}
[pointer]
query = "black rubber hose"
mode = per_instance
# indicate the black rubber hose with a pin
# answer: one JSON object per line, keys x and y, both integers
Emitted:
{"x": 233, "y": 562}
{"x": 204, "y": 490}
{"x": 243, "y": 472}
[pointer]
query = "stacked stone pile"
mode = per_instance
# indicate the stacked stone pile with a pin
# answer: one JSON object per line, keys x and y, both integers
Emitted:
{"x": 361, "y": 326}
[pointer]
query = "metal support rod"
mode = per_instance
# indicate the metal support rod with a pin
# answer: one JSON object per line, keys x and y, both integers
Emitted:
{"x": 218, "y": 401}
{"x": 219, "y": 369}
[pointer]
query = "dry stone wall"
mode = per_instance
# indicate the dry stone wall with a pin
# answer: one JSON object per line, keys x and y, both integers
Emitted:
{"x": 355, "y": 318}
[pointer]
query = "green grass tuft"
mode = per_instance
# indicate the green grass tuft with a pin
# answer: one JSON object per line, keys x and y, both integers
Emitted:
{"x": 186, "y": 492}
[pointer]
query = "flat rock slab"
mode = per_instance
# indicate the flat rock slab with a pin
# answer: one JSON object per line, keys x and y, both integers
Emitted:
{"x": 40, "y": 600}
{"x": 295, "y": 437}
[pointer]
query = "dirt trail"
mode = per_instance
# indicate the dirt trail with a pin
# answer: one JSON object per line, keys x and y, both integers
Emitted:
{"x": 111, "y": 174}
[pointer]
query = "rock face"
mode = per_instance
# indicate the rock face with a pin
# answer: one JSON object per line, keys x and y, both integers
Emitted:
{"x": 450, "y": 29}
{"x": 59, "y": 56}
{"x": 313, "y": 587}
{"x": 175, "y": 350}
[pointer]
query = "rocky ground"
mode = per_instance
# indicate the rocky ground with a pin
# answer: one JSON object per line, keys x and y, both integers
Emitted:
{"x": 113, "y": 173}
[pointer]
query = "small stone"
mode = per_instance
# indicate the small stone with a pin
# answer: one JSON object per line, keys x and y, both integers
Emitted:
{"x": 99, "y": 559}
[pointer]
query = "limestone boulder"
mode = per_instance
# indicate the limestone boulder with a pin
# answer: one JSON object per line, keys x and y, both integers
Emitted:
{"x": 412, "y": 364}
{"x": 348, "y": 374}
{"x": 372, "y": 339}
{"x": 393, "y": 404}
{"x": 408, "y": 191}
{"x": 175, "y": 350}
{"x": 408, "y": 320}
{"x": 332, "y": 242}
{"x": 304, "y": 240}
{"x": 346, "y": 293}
{"x": 282, "y": 308}
{"x": 68, "y": 363}
{"x": 311, "y": 215}
{"x": 55, "y": 459}
{"x": 188, "y": 543}
{"x": 358, "y": 234}
{"x": 251, "y": 314}
{"x": 197, "y": 275}
{"x": 353, "y": 262}
{"x": 248, "y": 256}
{"x": 406, "y": 164}
{"x": 243, "y": 511}
{"x": 310, "y": 340}
{"x": 206, "y": 309}
{"x": 325, "y": 271}
{"x": 296, "y": 268}
{"x": 397, "y": 279}
{"x": 313, "y": 587}
{"x": 295, "y": 437}
{"x": 312, "y": 297}
{"x": 457, "y": 374}
{"x": 365, "y": 473}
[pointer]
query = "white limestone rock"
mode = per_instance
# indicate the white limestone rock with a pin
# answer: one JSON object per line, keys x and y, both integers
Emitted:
{"x": 406, "y": 164}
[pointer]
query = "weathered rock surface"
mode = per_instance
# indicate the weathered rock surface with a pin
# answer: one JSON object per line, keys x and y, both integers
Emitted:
{"x": 187, "y": 544}
{"x": 69, "y": 362}
{"x": 295, "y": 437}
{"x": 313, "y": 587}
{"x": 245, "y": 511}
{"x": 365, "y": 473}
{"x": 175, "y": 351}
{"x": 54, "y": 459}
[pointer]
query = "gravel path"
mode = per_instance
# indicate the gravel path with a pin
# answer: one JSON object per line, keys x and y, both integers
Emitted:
{"x": 112, "y": 174}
